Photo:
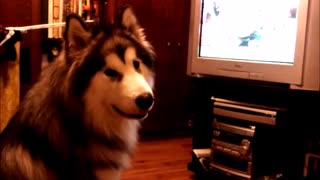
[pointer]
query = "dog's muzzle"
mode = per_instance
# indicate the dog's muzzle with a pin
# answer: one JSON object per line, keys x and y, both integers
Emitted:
{"x": 144, "y": 102}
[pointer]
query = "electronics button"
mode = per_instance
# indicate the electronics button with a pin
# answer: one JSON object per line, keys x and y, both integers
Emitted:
{"x": 216, "y": 133}
{"x": 258, "y": 76}
{"x": 227, "y": 150}
{"x": 217, "y": 142}
{"x": 236, "y": 153}
{"x": 219, "y": 148}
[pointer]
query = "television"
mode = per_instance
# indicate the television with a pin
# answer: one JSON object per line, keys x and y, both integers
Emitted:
{"x": 273, "y": 41}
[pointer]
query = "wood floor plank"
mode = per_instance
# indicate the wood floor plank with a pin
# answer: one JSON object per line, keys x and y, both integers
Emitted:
{"x": 165, "y": 159}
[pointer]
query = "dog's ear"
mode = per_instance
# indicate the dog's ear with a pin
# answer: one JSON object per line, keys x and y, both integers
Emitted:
{"x": 128, "y": 21}
{"x": 76, "y": 34}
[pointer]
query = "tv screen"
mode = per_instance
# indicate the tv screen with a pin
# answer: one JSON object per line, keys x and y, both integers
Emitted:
{"x": 251, "y": 30}
{"x": 273, "y": 41}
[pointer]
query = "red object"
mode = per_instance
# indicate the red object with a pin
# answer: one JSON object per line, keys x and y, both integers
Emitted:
{"x": 86, "y": 8}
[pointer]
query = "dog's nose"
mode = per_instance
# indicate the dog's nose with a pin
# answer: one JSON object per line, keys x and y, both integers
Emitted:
{"x": 144, "y": 101}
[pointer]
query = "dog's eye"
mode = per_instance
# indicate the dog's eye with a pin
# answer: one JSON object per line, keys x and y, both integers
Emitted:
{"x": 136, "y": 64}
{"x": 111, "y": 73}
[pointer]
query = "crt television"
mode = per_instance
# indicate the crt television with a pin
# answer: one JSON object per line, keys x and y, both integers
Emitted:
{"x": 265, "y": 40}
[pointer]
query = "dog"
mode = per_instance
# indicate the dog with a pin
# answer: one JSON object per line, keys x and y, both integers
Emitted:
{"x": 81, "y": 119}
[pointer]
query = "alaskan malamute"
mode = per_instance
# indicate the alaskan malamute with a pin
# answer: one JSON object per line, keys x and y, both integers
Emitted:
{"x": 81, "y": 119}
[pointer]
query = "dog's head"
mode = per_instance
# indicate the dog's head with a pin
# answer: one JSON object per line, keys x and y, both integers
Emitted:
{"x": 111, "y": 69}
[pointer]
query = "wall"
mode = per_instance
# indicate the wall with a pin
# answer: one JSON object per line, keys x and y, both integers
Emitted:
{"x": 24, "y": 13}
{"x": 9, "y": 87}
{"x": 17, "y": 76}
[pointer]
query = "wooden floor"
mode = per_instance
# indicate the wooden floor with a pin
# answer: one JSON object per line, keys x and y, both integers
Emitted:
{"x": 165, "y": 159}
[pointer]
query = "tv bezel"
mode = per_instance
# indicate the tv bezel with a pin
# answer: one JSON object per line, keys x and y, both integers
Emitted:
{"x": 236, "y": 68}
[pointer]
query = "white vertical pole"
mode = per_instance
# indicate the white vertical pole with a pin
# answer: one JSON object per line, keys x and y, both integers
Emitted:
{"x": 60, "y": 16}
{"x": 80, "y": 7}
{"x": 50, "y": 16}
